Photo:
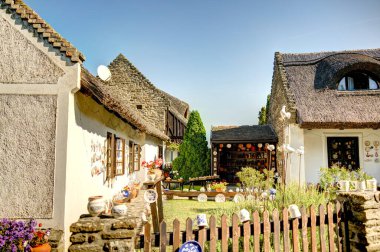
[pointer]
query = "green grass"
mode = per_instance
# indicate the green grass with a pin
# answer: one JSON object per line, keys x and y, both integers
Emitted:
{"x": 184, "y": 208}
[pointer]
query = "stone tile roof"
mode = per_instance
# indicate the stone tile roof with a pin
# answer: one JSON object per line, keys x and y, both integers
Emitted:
{"x": 41, "y": 27}
{"x": 310, "y": 82}
{"x": 245, "y": 133}
{"x": 112, "y": 98}
{"x": 141, "y": 91}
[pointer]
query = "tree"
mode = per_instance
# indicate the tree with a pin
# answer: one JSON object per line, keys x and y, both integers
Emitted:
{"x": 193, "y": 159}
{"x": 263, "y": 113}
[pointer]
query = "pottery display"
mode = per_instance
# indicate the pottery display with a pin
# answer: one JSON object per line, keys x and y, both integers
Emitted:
{"x": 202, "y": 197}
{"x": 244, "y": 215}
{"x": 220, "y": 198}
{"x": 96, "y": 205}
{"x": 201, "y": 220}
{"x": 294, "y": 211}
{"x": 119, "y": 209}
{"x": 42, "y": 248}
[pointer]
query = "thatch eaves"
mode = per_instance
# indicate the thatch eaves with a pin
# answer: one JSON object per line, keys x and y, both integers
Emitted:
{"x": 312, "y": 84}
{"x": 117, "y": 102}
{"x": 42, "y": 28}
{"x": 242, "y": 134}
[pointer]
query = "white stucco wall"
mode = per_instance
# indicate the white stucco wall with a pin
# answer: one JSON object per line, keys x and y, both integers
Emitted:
{"x": 30, "y": 67}
{"x": 315, "y": 142}
{"x": 295, "y": 171}
{"x": 89, "y": 123}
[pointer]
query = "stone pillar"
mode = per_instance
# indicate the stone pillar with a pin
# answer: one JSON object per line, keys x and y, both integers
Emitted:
{"x": 103, "y": 234}
{"x": 363, "y": 216}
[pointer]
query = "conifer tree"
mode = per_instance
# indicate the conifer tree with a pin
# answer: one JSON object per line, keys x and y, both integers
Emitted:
{"x": 193, "y": 159}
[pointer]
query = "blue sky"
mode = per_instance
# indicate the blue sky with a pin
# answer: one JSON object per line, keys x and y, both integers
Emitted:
{"x": 217, "y": 55}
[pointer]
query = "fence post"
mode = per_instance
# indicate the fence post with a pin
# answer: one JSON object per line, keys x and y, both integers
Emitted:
{"x": 235, "y": 233}
{"x": 147, "y": 238}
{"x": 176, "y": 235}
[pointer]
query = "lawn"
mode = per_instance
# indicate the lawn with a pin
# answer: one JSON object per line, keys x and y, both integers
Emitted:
{"x": 184, "y": 208}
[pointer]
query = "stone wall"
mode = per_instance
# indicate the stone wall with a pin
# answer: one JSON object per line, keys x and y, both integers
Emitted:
{"x": 363, "y": 215}
{"x": 103, "y": 234}
{"x": 140, "y": 92}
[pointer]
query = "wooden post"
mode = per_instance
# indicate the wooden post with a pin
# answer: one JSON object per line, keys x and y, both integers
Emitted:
{"x": 266, "y": 231}
{"x": 247, "y": 235}
{"x": 176, "y": 235}
{"x": 322, "y": 228}
{"x": 224, "y": 233}
{"x": 256, "y": 231}
{"x": 305, "y": 242}
{"x": 331, "y": 227}
{"x": 213, "y": 233}
{"x": 147, "y": 239}
{"x": 338, "y": 227}
{"x": 295, "y": 239}
{"x": 189, "y": 229}
{"x": 159, "y": 202}
{"x": 202, "y": 237}
{"x": 285, "y": 220}
{"x": 235, "y": 233}
{"x": 276, "y": 231}
{"x": 313, "y": 229}
{"x": 163, "y": 237}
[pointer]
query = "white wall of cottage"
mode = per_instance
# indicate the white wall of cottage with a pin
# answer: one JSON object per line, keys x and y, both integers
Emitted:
{"x": 315, "y": 143}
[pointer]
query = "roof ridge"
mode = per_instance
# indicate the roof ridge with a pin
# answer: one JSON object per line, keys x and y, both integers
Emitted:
{"x": 44, "y": 29}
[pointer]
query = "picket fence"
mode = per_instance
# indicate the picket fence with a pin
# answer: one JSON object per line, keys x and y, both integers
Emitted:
{"x": 321, "y": 229}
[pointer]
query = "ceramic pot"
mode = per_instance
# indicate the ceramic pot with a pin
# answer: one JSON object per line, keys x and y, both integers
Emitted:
{"x": 219, "y": 189}
{"x": 96, "y": 205}
{"x": 119, "y": 209}
{"x": 344, "y": 185}
{"x": 244, "y": 215}
{"x": 294, "y": 211}
{"x": 42, "y": 248}
{"x": 361, "y": 185}
{"x": 372, "y": 185}
{"x": 151, "y": 176}
{"x": 201, "y": 220}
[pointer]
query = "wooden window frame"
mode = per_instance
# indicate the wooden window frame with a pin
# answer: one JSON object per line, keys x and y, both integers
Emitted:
{"x": 112, "y": 151}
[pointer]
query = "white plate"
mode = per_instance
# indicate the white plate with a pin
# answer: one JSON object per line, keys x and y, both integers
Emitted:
{"x": 202, "y": 197}
{"x": 238, "y": 198}
{"x": 150, "y": 196}
{"x": 220, "y": 198}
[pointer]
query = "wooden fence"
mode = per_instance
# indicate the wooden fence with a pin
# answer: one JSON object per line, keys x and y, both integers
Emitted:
{"x": 317, "y": 230}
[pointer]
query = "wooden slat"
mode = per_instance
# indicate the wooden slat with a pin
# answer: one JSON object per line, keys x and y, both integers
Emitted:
{"x": 305, "y": 242}
{"x": 247, "y": 235}
{"x": 163, "y": 237}
{"x": 159, "y": 202}
{"x": 235, "y": 233}
{"x": 313, "y": 229}
{"x": 213, "y": 233}
{"x": 176, "y": 235}
{"x": 338, "y": 209}
{"x": 147, "y": 239}
{"x": 331, "y": 227}
{"x": 256, "y": 231}
{"x": 266, "y": 231}
{"x": 153, "y": 209}
{"x": 296, "y": 247}
{"x": 224, "y": 233}
{"x": 322, "y": 228}
{"x": 202, "y": 237}
{"x": 285, "y": 220}
{"x": 276, "y": 231}
{"x": 189, "y": 229}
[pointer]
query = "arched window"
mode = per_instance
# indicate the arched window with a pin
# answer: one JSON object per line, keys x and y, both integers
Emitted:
{"x": 358, "y": 80}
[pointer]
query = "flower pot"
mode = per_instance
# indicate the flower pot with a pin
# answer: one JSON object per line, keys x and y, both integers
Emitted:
{"x": 96, "y": 205}
{"x": 361, "y": 186}
{"x": 344, "y": 185}
{"x": 42, "y": 248}
{"x": 119, "y": 209}
{"x": 219, "y": 189}
{"x": 372, "y": 185}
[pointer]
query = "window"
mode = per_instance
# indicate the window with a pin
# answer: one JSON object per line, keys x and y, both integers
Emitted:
{"x": 343, "y": 151}
{"x": 115, "y": 156}
{"x": 358, "y": 80}
{"x": 134, "y": 157}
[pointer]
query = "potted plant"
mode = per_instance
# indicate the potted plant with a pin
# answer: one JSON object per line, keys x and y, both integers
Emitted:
{"x": 153, "y": 168}
{"x": 39, "y": 242}
{"x": 344, "y": 180}
{"x": 219, "y": 187}
{"x": 16, "y": 235}
{"x": 361, "y": 177}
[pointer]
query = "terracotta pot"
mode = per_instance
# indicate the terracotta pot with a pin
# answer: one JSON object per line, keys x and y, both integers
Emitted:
{"x": 42, "y": 248}
{"x": 219, "y": 189}
{"x": 96, "y": 205}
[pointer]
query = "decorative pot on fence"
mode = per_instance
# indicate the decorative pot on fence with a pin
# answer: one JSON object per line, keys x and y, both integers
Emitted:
{"x": 201, "y": 220}
{"x": 96, "y": 205}
{"x": 344, "y": 185}
{"x": 244, "y": 215}
{"x": 42, "y": 248}
{"x": 294, "y": 211}
{"x": 119, "y": 209}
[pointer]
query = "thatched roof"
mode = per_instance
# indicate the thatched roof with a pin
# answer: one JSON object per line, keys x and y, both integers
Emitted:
{"x": 246, "y": 133}
{"x": 42, "y": 28}
{"x": 311, "y": 81}
{"x": 116, "y": 101}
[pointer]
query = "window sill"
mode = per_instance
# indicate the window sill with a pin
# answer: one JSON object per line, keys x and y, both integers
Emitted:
{"x": 359, "y": 92}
